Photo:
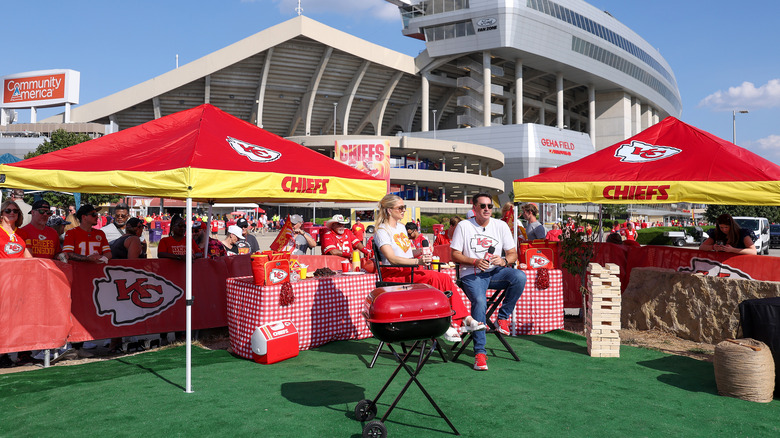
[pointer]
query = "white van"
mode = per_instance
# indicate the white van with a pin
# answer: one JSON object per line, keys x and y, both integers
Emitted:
{"x": 760, "y": 227}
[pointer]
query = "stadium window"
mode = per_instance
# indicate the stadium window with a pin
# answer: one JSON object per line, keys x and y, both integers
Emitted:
{"x": 438, "y": 33}
{"x": 460, "y": 29}
{"x": 449, "y": 31}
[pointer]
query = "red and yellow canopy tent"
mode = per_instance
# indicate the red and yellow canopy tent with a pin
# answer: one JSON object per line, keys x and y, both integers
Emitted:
{"x": 201, "y": 154}
{"x": 666, "y": 163}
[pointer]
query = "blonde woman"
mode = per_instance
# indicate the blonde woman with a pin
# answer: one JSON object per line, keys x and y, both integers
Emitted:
{"x": 396, "y": 249}
{"x": 12, "y": 247}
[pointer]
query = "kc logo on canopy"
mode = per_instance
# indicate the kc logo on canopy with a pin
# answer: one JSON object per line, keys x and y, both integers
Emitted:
{"x": 133, "y": 295}
{"x": 255, "y": 153}
{"x": 641, "y": 152}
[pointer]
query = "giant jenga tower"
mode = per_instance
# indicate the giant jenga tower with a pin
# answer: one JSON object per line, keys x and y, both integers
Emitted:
{"x": 603, "y": 316}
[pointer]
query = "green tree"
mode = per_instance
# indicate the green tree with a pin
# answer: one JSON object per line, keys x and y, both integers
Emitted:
{"x": 61, "y": 139}
{"x": 615, "y": 211}
{"x": 770, "y": 212}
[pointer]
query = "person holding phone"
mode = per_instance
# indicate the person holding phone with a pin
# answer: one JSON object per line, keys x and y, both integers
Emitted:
{"x": 729, "y": 237}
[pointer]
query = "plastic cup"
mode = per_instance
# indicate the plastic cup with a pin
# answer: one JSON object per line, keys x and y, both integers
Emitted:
{"x": 435, "y": 263}
{"x": 346, "y": 266}
{"x": 303, "y": 272}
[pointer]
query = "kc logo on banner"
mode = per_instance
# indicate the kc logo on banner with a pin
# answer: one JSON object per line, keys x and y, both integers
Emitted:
{"x": 133, "y": 295}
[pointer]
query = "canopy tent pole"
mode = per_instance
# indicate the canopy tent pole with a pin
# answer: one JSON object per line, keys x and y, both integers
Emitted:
{"x": 601, "y": 223}
{"x": 188, "y": 296}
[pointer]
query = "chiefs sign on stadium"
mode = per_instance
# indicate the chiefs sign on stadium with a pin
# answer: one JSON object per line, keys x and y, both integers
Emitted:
{"x": 40, "y": 88}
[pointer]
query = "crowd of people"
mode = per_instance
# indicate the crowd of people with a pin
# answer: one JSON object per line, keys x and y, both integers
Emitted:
{"x": 484, "y": 247}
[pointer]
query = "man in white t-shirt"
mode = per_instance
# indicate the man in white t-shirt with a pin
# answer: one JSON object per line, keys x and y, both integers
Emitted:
{"x": 482, "y": 269}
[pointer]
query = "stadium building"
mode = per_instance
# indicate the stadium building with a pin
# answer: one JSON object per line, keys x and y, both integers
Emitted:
{"x": 502, "y": 89}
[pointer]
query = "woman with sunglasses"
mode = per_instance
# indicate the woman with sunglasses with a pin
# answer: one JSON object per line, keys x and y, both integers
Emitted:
{"x": 396, "y": 249}
{"x": 11, "y": 247}
{"x": 12, "y": 244}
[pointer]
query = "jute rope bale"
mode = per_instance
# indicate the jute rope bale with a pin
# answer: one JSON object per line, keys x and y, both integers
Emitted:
{"x": 744, "y": 369}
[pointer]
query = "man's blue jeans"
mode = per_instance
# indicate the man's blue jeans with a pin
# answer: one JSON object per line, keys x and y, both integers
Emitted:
{"x": 476, "y": 285}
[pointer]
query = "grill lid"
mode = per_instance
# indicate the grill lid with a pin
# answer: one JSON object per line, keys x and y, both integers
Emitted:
{"x": 408, "y": 302}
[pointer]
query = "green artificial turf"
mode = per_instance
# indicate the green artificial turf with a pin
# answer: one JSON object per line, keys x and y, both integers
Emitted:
{"x": 555, "y": 390}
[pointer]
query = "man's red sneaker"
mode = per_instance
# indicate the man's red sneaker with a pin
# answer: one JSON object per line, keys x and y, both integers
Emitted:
{"x": 502, "y": 326}
{"x": 480, "y": 362}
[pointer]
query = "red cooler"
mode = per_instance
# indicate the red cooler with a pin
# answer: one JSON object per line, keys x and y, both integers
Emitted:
{"x": 275, "y": 342}
{"x": 537, "y": 258}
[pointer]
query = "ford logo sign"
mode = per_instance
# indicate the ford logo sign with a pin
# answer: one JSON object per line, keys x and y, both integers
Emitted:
{"x": 486, "y": 22}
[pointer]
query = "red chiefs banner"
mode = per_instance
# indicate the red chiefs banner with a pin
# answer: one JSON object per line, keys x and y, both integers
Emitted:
{"x": 368, "y": 156}
{"x": 34, "y": 304}
{"x": 133, "y": 297}
{"x": 46, "y": 303}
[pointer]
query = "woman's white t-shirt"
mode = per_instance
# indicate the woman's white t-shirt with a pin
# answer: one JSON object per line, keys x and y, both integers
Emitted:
{"x": 396, "y": 238}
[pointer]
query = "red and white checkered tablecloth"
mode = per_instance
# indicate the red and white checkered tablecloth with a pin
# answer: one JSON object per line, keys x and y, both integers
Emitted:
{"x": 325, "y": 309}
{"x": 537, "y": 311}
{"x": 329, "y": 309}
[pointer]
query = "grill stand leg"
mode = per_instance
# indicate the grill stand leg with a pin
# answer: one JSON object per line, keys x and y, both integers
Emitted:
{"x": 413, "y": 373}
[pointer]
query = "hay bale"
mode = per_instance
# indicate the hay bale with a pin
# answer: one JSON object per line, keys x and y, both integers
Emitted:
{"x": 745, "y": 369}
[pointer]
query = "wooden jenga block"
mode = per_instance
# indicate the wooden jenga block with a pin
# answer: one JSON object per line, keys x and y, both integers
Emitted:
{"x": 597, "y": 308}
{"x": 603, "y": 354}
{"x": 607, "y": 308}
{"x": 602, "y": 324}
{"x": 604, "y": 300}
{"x": 606, "y": 343}
{"x": 595, "y": 268}
{"x": 613, "y": 333}
{"x": 612, "y": 268}
{"x": 603, "y": 291}
{"x": 605, "y": 282}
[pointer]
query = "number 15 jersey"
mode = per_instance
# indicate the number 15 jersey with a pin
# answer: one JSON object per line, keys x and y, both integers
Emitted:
{"x": 85, "y": 242}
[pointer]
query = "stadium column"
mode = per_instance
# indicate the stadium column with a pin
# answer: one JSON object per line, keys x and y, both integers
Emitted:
{"x": 592, "y": 113}
{"x": 425, "y": 102}
{"x": 519, "y": 91}
{"x": 486, "y": 88}
{"x": 559, "y": 99}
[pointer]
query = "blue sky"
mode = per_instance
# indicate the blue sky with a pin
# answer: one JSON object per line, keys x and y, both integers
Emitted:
{"x": 724, "y": 54}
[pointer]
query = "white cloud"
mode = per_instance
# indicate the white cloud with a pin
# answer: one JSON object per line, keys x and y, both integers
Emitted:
{"x": 350, "y": 8}
{"x": 745, "y": 96}
{"x": 767, "y": 147}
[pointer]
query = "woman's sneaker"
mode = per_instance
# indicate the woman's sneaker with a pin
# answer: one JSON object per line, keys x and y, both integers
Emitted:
{"x": 452, "y": 335}
{"x": 480, "y": 362}
{"x": 471, "y": 325}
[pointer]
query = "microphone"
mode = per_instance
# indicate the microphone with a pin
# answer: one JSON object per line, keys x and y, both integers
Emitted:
{"x": 426, "y": 250}
{"x": 489, "y": 253}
